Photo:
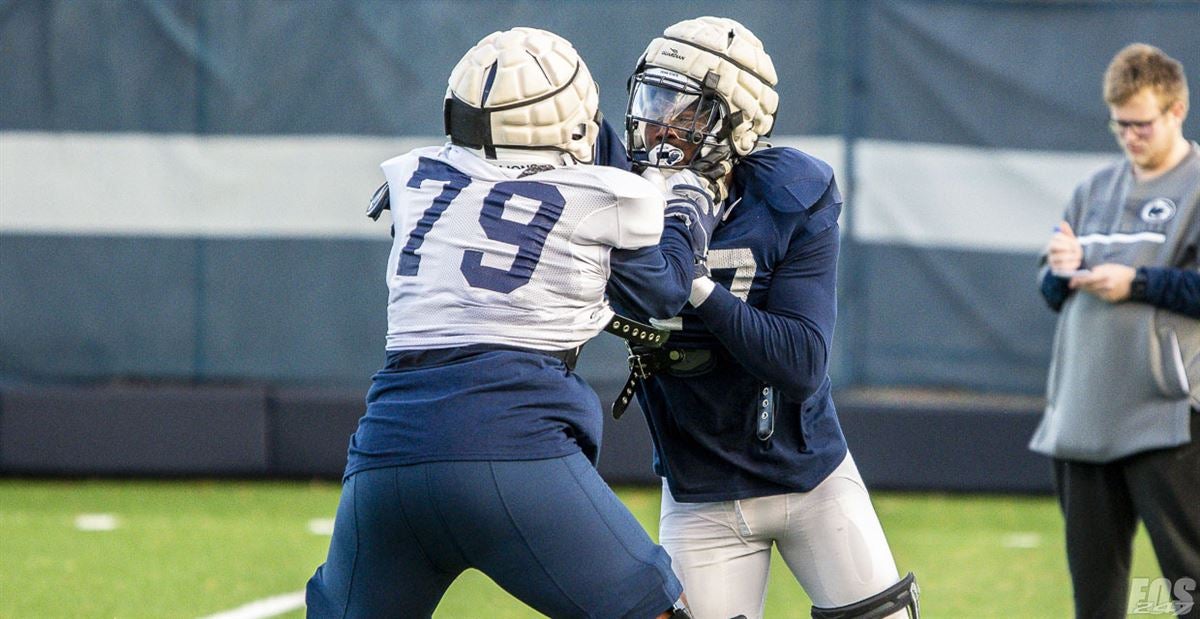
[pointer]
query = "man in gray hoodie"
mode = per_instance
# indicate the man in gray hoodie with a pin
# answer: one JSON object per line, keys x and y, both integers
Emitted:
{"x": 1123, "y": 391}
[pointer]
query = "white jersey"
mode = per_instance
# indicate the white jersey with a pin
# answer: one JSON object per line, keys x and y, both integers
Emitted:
{"x": 483, "y": 256}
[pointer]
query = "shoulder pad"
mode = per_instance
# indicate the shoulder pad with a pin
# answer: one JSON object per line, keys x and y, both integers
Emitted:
{"x": 787, "y": 179}
{"x": 618, "y": 182}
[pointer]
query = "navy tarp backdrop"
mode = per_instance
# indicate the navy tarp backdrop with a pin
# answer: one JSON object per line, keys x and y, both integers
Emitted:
{"x": 181, "y": 183}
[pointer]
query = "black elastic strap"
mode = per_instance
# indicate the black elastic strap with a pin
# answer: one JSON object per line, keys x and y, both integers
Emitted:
{"x": 466, "y": 125}
{"x": 472, "y": 126}
{"x": 626, "y": 396}
{"x": 644, "y": 362}
{"x": 641, "y": 366}
{"x": 642, "y": 339}
{"x": 637, "y": 333}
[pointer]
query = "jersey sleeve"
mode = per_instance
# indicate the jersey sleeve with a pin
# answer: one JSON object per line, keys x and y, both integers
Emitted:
{"x": 653, "y": 282}
{"x": 1173, "y": 289}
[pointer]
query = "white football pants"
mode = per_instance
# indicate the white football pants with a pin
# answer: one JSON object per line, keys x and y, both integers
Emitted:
{"x": 829, "y": 537}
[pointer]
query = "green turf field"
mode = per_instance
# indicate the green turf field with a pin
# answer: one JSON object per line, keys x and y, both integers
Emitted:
{"x": 189, "y": 549}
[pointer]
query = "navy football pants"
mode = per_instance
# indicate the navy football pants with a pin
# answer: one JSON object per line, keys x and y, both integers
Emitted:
{"x": 550, "y": 532}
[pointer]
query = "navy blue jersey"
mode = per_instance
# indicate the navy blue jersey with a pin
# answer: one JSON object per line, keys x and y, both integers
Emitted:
{"x": 768, "y": 322}
{"x": 609, "y": 150}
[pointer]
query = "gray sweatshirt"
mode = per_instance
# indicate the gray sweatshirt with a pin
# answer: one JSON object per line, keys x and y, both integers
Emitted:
{"x": 1124, "y": 376}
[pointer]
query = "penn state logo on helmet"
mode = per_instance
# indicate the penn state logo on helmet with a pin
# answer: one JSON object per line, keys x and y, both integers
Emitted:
{"x": 1158, "y": 210}
{"x": 706, "y": 87}
{"x": 523, "y": 88}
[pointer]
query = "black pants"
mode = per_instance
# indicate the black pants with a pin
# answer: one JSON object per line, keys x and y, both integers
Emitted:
{"x": 1102, "y": 504}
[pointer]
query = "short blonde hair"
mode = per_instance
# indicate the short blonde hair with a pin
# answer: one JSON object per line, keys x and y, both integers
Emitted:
{"x": 1140, "y": 66}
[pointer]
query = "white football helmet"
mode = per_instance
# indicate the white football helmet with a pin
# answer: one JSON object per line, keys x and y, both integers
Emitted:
{"x": 523, "y": 89}
{"x": 702, "y": 93}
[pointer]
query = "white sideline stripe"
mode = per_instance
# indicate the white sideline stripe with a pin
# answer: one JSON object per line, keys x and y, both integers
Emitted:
{"x": 266, "y": 607}
{"x": 1122, "y": 237}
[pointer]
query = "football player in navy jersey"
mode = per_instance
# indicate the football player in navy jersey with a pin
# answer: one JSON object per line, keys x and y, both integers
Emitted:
{"x": 478, "y": 443}
{"x": 738, "y": 401}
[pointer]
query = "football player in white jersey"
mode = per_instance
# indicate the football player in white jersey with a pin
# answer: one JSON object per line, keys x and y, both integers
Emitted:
{"x": 478, "y": 445}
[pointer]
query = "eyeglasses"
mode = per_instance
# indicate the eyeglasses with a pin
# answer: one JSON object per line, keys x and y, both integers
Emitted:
{"x": 1141, "y": 128}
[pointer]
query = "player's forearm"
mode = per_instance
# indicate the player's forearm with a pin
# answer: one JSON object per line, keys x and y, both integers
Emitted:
{"x": 786, "y": 341}
{"x": 653, "y": 282}
{"x": 788, "y": 353}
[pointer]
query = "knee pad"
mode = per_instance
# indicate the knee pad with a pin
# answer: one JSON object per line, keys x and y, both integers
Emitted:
{"x": 903, "y": 595}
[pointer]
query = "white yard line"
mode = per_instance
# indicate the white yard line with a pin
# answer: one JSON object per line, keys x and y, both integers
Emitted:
{"x": 96, "y": 522}
{"x": 321, "y": 526}
{"x": 266, "y": 607}
{"x": 1022, "y": 540}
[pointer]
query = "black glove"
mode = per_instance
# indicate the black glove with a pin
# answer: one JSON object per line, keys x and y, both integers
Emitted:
{"x": 690, "y": 200}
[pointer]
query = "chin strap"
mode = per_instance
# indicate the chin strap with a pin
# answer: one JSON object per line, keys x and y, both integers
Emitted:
{"x": 715, "y": 175}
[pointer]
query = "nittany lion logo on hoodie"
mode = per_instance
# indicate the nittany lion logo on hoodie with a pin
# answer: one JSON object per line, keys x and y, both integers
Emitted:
{"x": 1158, "y": 210}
